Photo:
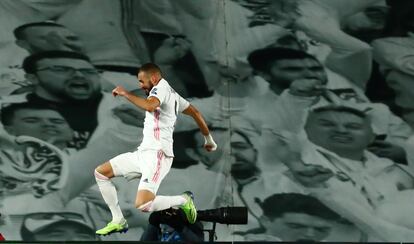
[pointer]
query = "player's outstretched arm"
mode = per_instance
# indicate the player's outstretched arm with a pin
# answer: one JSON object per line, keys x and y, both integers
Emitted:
{"x": 209, "y": 143}
{"x": 150, "y": 104}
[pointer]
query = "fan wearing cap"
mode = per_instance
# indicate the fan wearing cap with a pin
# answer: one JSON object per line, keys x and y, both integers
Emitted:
{"x": 56, "y": 226}
{"x": 337, "y": 137}
{"x": 391, "y": 132}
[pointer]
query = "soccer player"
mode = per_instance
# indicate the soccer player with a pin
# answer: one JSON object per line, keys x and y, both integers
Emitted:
{"x": 153, "y": 158}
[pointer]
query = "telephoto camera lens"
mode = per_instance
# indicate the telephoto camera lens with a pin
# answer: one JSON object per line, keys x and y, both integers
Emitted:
{"x": 224, "y": 215}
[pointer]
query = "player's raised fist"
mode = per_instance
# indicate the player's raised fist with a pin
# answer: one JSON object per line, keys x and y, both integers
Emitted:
{"x": 209, "y": 143}
{"x": 119, "y": 90}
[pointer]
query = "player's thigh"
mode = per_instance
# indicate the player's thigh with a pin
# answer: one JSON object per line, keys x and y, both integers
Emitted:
{"x": 155, "y": 166}
{"x": 126, "y": 164}
{"x": 105, "y": 169}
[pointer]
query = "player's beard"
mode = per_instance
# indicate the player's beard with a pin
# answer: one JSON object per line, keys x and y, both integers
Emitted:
{"x": 147, "y": 90}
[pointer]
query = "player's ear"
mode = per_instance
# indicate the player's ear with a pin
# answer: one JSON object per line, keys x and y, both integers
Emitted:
{"x": 153, "y": 78}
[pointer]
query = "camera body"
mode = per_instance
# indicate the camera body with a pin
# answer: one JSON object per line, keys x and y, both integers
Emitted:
{"x": 176, "y": 218}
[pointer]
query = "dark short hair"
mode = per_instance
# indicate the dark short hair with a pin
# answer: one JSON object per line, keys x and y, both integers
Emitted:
{"x": 150, "y": 68}
{"x": 278, "y": 204}
{"x": 29, "y": 63}
{"x": 261, "y": 59}
{"x": 19, "y": 31}
{"x": 7, "y": 113}
{"x": 340, "y": 108}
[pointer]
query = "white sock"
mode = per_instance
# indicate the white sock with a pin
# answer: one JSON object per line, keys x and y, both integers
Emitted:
{"x": 110, "y": 196}
{"x": 163, "y": 202}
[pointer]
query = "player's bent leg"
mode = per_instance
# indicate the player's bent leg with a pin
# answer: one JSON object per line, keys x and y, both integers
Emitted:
{"x": 103, "y": 175}
{"x": 144, "y": 200}
{"x": 105, "y": 169}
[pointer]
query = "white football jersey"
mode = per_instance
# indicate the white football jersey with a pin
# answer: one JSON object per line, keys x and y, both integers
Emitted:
{"x": 159, "y": 125}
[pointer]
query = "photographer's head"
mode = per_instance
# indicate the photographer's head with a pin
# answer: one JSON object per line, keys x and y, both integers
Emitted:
{"x": 281, "y": 66}
{"x": 62, "y": 76}
{"x": 173, "y": 217}
{"x": 171, "y": 225}
{"x": 56, "y": 226}
{"x": 297, "y": 217}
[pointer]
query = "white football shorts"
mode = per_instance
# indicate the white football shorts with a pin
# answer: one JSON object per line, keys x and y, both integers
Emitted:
{"x": 152, "y": 165}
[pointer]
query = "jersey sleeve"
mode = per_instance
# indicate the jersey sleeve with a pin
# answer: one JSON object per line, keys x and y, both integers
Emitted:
{"x": 182, "y": 103}
{"x": 159, "y": 92}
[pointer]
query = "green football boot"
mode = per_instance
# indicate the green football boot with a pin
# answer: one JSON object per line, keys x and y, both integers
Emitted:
{"x": 113, "y": 228}
{"x": 189, "y": 207}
